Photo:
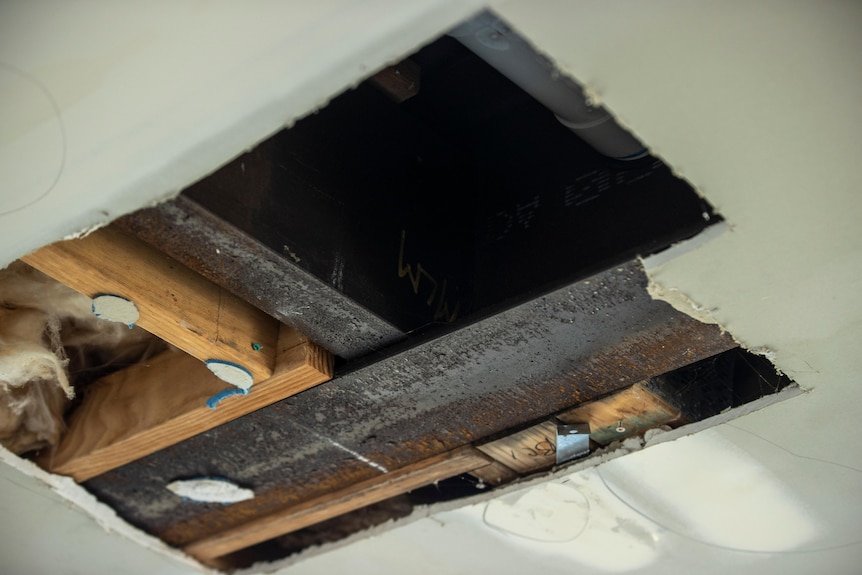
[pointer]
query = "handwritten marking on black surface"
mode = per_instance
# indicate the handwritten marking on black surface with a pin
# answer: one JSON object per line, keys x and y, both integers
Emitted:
{"x": 414, "y": 275}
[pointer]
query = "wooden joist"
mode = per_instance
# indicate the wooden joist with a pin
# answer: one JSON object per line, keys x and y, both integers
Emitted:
{"x": 175, "y": 303}
{"x": 147, "y": 407}
{"x": 629, "y": 412}
{"x": 152, "y": 405}
{"x": 495, "y": 473}
{"x": 333, "y": 504}
{"x": 623, "y": 414}
{"x": 526, "y": 451}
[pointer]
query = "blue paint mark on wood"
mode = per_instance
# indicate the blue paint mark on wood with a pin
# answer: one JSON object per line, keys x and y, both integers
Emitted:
{"x": 213, "y": 402}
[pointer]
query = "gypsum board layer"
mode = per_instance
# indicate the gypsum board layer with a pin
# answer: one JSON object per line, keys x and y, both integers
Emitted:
{"x": 243, "y": 266}
{"x": 576, "y": 344}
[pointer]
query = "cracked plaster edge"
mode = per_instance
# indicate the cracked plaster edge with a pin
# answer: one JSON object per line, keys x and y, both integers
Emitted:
{"x": 83, "y": 233}
{"x": 108, "y": 219}
{"x": 105, "y": 517}
{"x": 682, "y": 302}
{"x": 672, "y": 295}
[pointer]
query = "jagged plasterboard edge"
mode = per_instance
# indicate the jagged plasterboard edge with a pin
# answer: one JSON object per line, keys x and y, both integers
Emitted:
{"x": 104, "y": 516}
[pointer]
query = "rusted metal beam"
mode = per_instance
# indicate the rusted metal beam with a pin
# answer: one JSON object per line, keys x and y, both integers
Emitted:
{"x": 573, "y": 345}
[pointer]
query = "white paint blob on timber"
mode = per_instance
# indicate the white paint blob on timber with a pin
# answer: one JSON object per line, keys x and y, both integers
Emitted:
{"x": 231, "y": 373}
{"x": 210, "y": 490}
{"x": 116, "y": 308}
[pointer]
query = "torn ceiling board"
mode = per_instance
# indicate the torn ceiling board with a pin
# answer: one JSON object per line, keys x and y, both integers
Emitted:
{"x": 832, "y": 354}
{"x": 32, "y": 495}
{"x": 101, "y": 120}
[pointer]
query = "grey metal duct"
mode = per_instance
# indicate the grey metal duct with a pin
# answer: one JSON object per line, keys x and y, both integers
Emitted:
{"x": 491, "y": 39}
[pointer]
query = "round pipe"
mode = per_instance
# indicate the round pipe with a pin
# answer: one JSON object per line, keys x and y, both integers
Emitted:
{"x": 491, "y": 39}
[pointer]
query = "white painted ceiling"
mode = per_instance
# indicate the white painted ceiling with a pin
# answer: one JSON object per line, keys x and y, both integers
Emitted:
{"x": 108, "y": 107}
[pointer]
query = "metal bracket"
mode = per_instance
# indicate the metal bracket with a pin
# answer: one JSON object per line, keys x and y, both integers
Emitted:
{"x": 573, "y": 440}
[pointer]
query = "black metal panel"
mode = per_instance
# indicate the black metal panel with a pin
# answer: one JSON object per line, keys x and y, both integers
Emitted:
{"x": 466, "y": 199}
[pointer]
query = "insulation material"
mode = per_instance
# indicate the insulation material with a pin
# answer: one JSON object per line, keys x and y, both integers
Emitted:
{"x": 34, "y": 387}
{"x": 50, "y": 341}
